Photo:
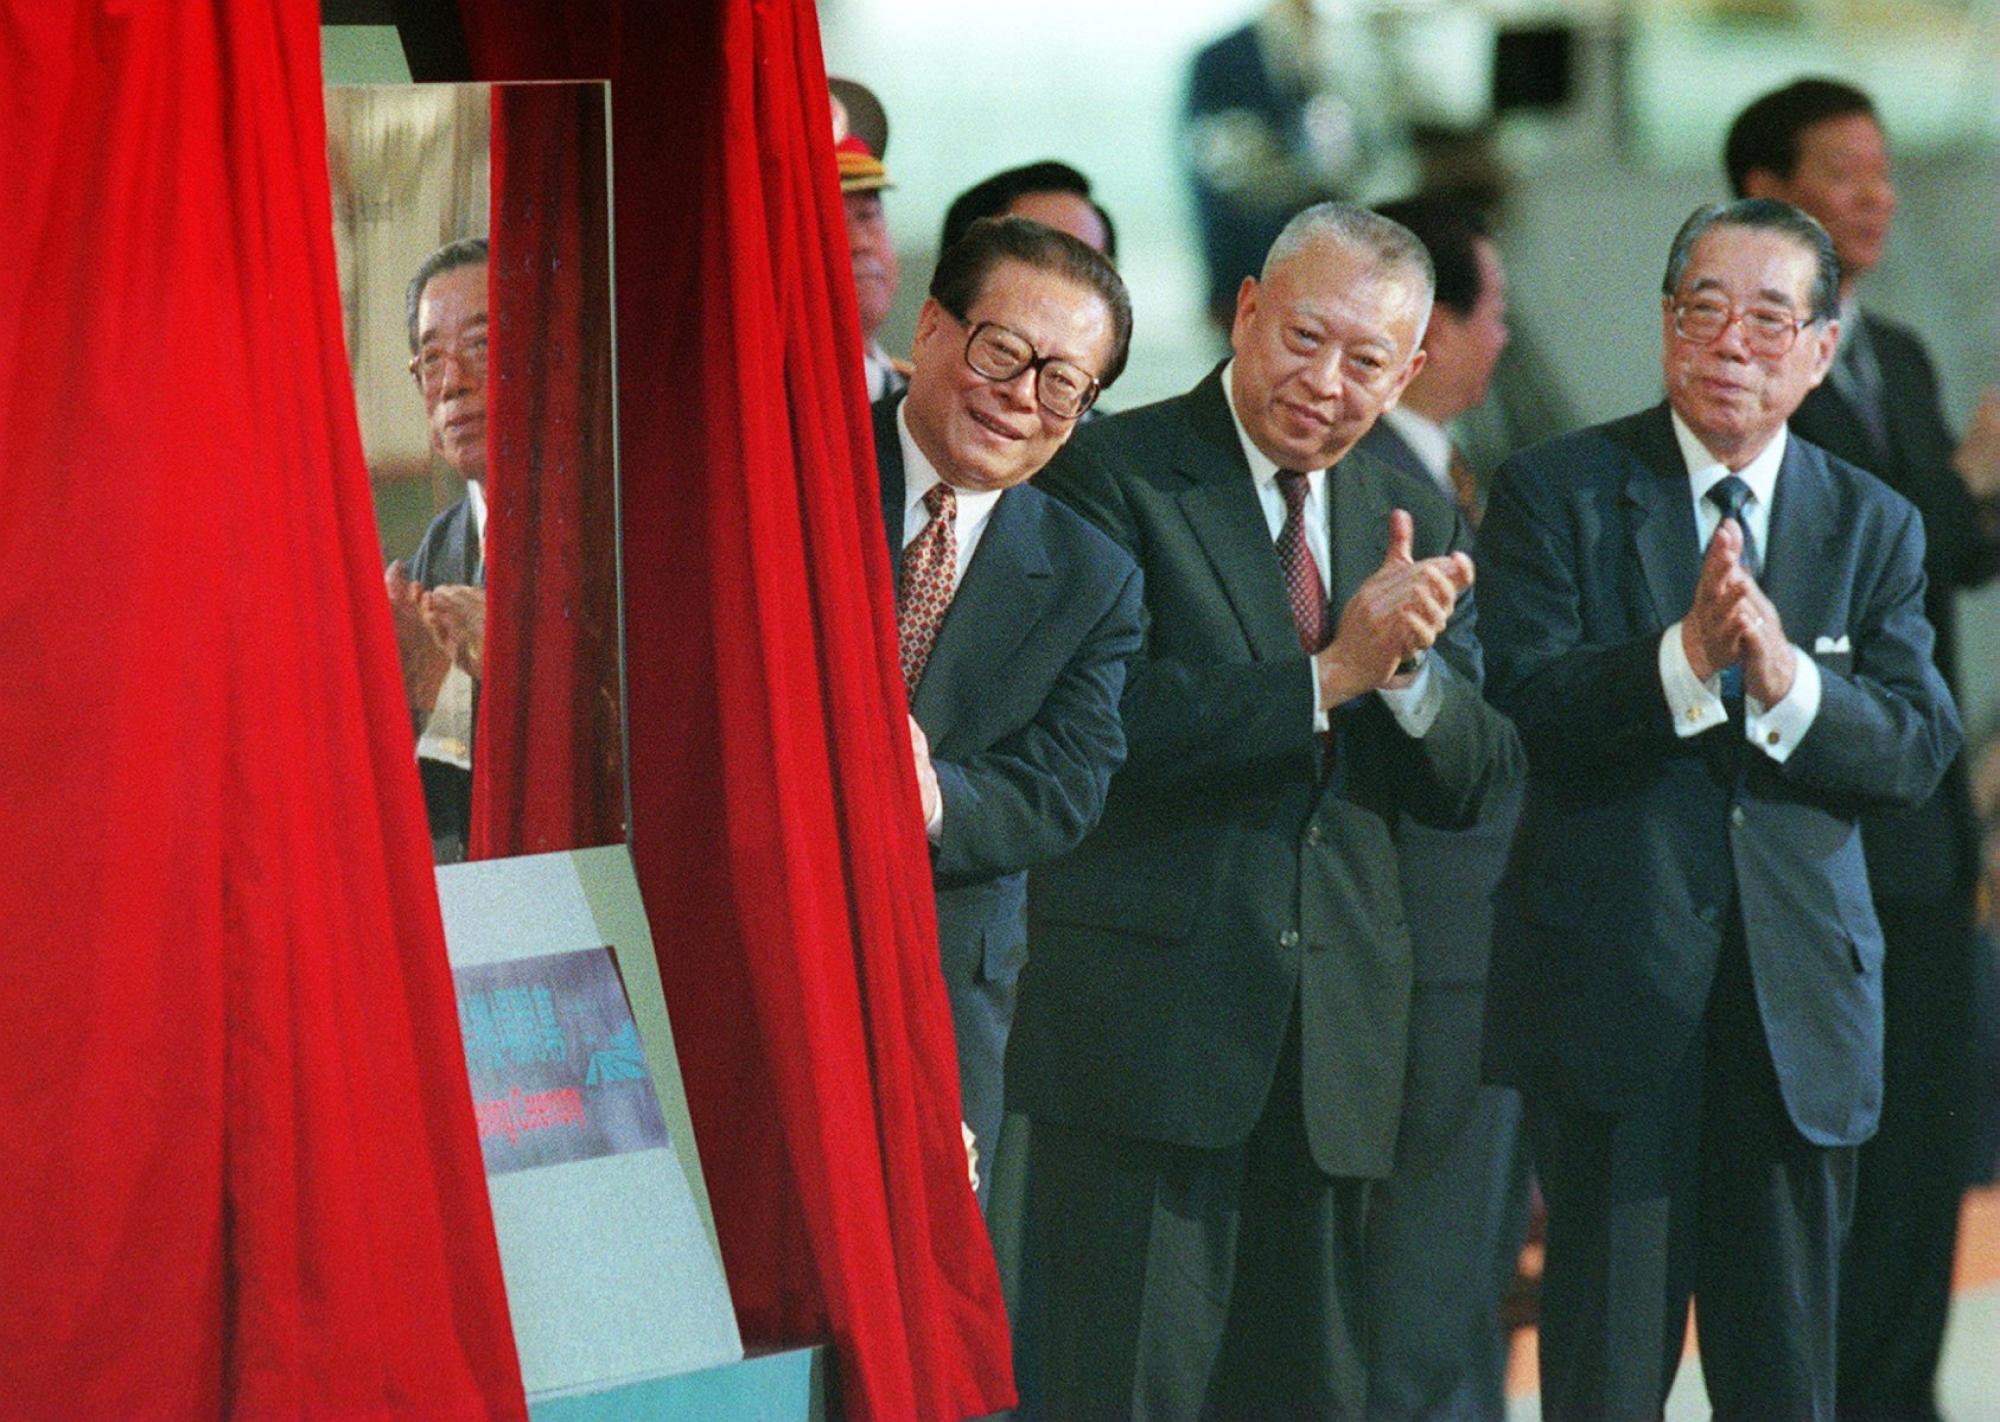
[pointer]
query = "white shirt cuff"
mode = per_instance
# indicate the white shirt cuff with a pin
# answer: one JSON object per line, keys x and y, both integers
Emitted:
{"x": 1320, "y": 721}
{"x": 1415, "y": 706}
{"x": 934, "y": 826}
{"x": 1696, "y": 705}
{"x": 1777, "y": 730}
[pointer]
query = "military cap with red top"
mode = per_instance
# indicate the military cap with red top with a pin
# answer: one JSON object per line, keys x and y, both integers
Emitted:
{"x": 860, "y": 136}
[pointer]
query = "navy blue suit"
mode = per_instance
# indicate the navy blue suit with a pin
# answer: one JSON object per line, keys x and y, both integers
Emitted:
{"x": 1020, "y": 703}
{"x": 1684, "y": 937}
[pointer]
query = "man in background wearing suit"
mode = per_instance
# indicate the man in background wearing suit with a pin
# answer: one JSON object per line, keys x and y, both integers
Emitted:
{"x": 1209, "y": 1051}
{"x": 1816, "y": 143}
{"x": 1015, "y": 616}
{"x": 1686, "y": 979}
{"x": 1445, "y": 1229}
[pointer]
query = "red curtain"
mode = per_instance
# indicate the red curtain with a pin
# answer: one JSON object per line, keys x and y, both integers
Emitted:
{"x": 775, "y": 821}
{"x": 241, "y": 1177}
{"x": 552, "y": 556}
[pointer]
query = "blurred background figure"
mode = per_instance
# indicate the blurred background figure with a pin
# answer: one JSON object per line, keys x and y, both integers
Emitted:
{"x": 860, "y": 141}
{"x": 1467, "y": 333}
{"x": 1051, "y": 193}
{"x": 1296, "y": 106}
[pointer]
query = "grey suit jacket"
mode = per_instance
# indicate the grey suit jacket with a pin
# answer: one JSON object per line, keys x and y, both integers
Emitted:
{"x": 1230, "y": 879}
{"x": 1019, "y": 700}
{"x": 1636, "y": 843}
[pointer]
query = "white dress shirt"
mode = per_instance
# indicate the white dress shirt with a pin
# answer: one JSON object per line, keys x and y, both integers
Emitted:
{"x": 1414, "y": 706}
{"x": 1427, "y": 440}
{"x": 1696, "y": 704}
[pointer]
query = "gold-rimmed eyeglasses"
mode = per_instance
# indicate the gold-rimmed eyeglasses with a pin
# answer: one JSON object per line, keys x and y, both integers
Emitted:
{"x": 1768, "y": 331}
{"x": 468, "y": 352}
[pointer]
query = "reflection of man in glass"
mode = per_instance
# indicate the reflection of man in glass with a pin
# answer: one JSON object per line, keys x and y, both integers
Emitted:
{"x": 439, "y": 595}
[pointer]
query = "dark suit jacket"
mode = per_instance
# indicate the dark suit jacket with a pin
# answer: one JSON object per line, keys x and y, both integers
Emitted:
{"x": 448, "y": 554}
{"x": 1448, "y": 881}
{"x": 1927, "y": 852}
{"x": 1229, "y": 878}
{"x": 449, "y": 551}
{"x": 1609, "y": 921}
{"x": 1020, "y": 702}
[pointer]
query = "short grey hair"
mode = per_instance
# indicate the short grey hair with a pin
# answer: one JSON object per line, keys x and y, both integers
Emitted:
{"x": 465, "y": 252}
{"x": 1768, "y": 215}
{"x": 1389, "y": 246}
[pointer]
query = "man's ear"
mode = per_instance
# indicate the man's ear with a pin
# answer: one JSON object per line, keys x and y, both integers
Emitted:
{"x": 1246, "y": 309}
{"x": 1417, "y": 359}
{"x": 928, "y": 317}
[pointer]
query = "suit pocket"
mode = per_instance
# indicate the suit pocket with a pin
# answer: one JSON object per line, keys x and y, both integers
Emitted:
{"x": 1003, "y": 953}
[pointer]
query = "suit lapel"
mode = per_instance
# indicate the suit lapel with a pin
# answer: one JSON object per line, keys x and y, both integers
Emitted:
{"x": 1662, "y": 512}
{"x": 1358, "y": 500}
{"x": 1222, "y": 508}
{"x": 889, "y": 469}
{"x": 1805, "y": 542}
{"x": 998, "y": 602}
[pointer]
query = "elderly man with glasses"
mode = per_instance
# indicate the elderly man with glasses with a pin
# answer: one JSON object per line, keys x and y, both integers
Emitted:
{"x": 1210, "y": 1050}
{"x": 1014, "y": 615}
{"x": 438, "y": 597}
{"x": 1711, "y": 635}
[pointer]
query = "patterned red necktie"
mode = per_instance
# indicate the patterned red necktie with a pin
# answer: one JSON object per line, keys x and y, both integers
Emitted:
{"x": 1302, "y": 584}
{"x": 923, "y": 582}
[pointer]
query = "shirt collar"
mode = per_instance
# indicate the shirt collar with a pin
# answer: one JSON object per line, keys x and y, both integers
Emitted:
{"x": 919, "y": 475}
{"x": 1705, "y": 471}
{"x": 475, "y": 495}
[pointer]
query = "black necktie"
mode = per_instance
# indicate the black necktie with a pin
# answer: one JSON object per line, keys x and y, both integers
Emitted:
{"x": 1730, "y": 494}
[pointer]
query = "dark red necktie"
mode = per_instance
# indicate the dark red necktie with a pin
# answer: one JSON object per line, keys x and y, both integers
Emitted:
{"x": 924, "y": 582}
{"x": 1302, "y": 584}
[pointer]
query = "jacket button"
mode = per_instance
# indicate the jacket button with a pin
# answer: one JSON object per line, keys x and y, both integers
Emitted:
{"x": 1313, "y": 836}
{"x": 1736, "y": 816}
{"x": 1289, "y": 938}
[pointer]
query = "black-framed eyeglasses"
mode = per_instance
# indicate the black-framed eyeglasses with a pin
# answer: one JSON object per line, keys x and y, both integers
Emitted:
{"x": 999, "y": 353}
{"x": 1769, "y": 331}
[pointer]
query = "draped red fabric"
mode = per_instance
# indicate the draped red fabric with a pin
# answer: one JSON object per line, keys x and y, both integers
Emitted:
{"x": 775, "y": 821}
{"x": 548, "y": 774}
{"x": 241, "y": 1178}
